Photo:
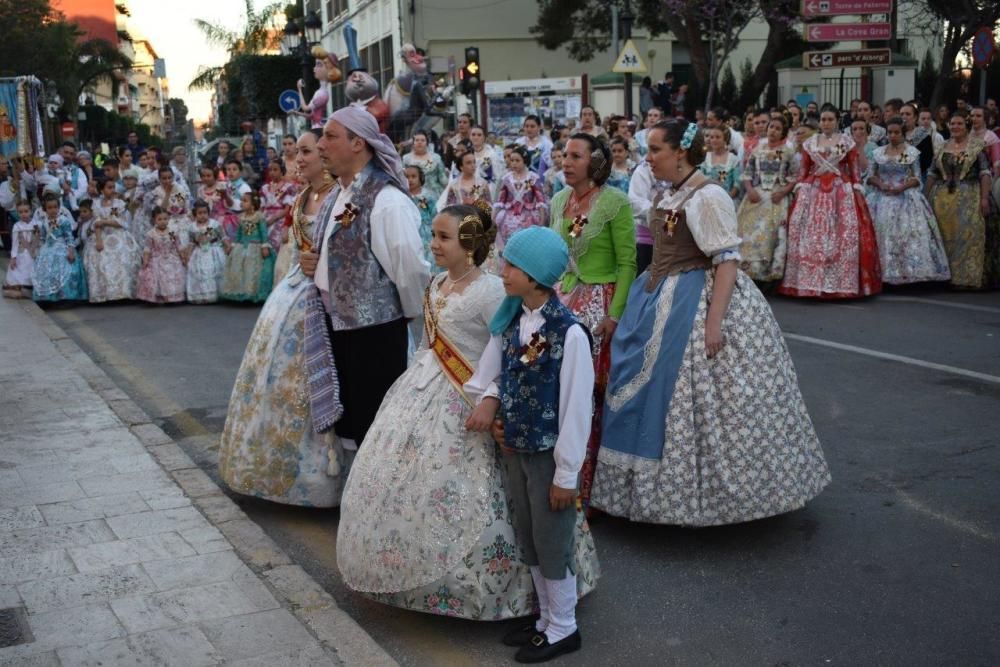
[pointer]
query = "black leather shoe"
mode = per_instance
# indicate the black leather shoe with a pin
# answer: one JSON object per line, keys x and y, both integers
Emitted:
{"x": 540, "y": 650}
{"x": 520, "y": 635}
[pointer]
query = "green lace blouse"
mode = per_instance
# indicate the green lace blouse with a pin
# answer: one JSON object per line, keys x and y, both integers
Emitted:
{"x": 604, "y": 249}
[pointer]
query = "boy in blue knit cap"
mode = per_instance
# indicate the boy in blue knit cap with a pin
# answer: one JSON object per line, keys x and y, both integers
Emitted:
{"x": 535, "y": 383}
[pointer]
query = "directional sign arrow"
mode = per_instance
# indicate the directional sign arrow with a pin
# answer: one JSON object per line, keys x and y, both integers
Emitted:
{"x": 845, "y": 7}
{"x": 848, "y": 32}
{"x": 473, "y": 68}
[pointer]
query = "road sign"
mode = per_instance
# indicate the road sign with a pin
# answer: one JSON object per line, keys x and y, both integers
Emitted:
{"x": 983, "y": 47}
{"x": 288, "y": 101}
{"x": 845, "y": 7}
{"x": 860, "y": 58}
{"x": 67, "y": 129}
{"x": 629, "y": 61}
{"x": 848, "y": 32}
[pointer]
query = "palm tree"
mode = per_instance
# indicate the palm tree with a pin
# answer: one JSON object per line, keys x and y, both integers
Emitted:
{"x": 87, "y": 63}
{"x": 257, "y": 36}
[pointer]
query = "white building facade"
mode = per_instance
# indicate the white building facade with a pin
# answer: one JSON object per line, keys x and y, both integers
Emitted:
{"x": 508, "y": 51}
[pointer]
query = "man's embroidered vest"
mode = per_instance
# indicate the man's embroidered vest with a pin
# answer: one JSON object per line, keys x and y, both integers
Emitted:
{"x": 361, "y": 294}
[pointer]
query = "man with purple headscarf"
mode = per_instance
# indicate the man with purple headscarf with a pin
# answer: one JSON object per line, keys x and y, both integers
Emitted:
{"x": 368, "y": 265}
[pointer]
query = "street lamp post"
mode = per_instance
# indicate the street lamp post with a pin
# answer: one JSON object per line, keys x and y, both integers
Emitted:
{"x": 625, "y": 18}
{"x": 302, "y": 34}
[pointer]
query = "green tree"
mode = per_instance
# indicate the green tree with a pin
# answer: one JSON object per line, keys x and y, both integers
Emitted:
{"x": 253, "y": 84}
{"x": 746, "y": 86}
{"x": 258, "y": 34}
{"x": 926, "y": 76}
{"x": 728, "y": 90}
{"x": 958, "y": 20}
{"x": 710, "y": 29}
{"x": 179, "y": 112}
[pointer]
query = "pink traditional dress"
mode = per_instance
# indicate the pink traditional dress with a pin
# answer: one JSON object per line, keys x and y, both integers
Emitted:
{"x": 520, "y": 204}
{"x": 832, "y": 252}
{"x": 163, "y": 278}
{"x": 217, "y": 209}
{"x": 178, "y": 208}
{"x": 276, "y": 199}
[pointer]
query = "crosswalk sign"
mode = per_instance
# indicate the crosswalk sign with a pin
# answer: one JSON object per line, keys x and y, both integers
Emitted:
{"x": 629, "y": 61}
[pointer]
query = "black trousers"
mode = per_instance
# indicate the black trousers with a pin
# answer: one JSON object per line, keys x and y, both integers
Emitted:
{"x": 368, "y": 361}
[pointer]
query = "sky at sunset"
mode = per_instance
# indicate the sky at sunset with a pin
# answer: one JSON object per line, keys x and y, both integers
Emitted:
{"x": 170, "y": 28}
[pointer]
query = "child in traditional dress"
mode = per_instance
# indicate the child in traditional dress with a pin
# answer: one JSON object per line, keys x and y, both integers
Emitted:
{"x": 213, "y": 192}
{"x": 111, "y": 256}
{"x": 521, "y": 202}
{"x": 235, "y": 188}
{"x": 554, "y": 179}
{"x": 58, "y": 272}
{"x": 206, "y": 259}
{"x": 25, "y": 239}
{"x": 621, "y": 165}
{"x": 249, "y": 273}
{"x": 425, "y": 203}
{"x": 537, "y": 373}
{"x": 162, "y": 277}
{"x": 276, "y": 197}
{"x": 84, "y": 227}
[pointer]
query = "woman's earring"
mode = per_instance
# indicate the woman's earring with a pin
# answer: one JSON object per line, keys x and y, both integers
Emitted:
{"x": 468, "y": 258}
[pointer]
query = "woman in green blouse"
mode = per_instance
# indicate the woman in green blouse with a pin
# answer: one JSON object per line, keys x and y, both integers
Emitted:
{"x": 596, "y": 223}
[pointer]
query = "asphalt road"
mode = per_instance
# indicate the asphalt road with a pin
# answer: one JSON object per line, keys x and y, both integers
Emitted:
{"x": 896, "y": 563}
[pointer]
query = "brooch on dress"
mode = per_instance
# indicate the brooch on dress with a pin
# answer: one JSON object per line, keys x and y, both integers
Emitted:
{"x": 576, "y": 227}
{"x": 534, "y": 349}
{"x": 670, "y": 219}
{"x": 347, "y": 216}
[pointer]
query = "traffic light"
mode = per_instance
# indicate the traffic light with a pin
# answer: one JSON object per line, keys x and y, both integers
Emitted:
{"x": 471, "y": 74}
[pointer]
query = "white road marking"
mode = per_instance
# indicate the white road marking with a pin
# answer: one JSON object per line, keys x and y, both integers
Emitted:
{"x": 954, "y": 370}
{"x": 939, "y": 302}
{"x": 958, "y": 524}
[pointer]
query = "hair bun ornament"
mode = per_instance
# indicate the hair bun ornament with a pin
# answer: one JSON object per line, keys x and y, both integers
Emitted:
{"x": 689, "y": 135}
{"x": 483, "y": 205}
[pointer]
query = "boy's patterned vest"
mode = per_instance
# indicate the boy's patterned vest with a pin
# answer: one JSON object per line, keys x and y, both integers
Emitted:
{"x": 361, "y": 294}
{"x": 529, "y": 389}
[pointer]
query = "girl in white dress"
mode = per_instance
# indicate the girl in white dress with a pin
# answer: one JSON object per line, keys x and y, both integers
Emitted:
{"x": 111, "y": 256}
{"x": 25, "y": 241}
{"x": 425, "y": 522}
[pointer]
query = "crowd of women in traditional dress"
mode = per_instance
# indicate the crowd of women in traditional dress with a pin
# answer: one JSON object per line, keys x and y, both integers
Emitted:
{"x": 907, "y": 197}
{"x": 145, "y": 231}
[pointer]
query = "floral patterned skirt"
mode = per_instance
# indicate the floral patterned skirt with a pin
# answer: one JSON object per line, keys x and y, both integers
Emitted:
{"x": 963, "y": 231}
{"x": 112, "y": 272}
{"x": 832, "y": 251}
{"x": 425, "y": 521}
{"x": 590, "y": 303}
{"x": 248, "y": 276}
{"x": 909, "y": 243}
{"x": 696, "y": 441}
{"x": 269, "y": 448}
{"x": 762, "y": 226}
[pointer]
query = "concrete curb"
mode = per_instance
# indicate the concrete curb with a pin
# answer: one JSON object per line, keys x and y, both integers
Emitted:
{"x": 290, "y": 584}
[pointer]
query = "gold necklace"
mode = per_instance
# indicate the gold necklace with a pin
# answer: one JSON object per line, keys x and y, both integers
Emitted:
{"x": 450, "y": 284}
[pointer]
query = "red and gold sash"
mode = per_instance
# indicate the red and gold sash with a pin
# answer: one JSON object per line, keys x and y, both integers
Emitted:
{"x": 453, "y": 363}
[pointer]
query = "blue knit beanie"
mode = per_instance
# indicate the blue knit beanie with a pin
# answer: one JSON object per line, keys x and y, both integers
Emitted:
{"x": 542, "y": 254}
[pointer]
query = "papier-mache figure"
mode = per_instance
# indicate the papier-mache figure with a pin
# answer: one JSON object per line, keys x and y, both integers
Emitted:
{"x": 327, "y": 71}
{"x": 361, "y": 87}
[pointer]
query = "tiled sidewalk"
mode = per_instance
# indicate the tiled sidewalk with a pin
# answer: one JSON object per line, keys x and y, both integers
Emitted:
{"x": 115, "y": 549}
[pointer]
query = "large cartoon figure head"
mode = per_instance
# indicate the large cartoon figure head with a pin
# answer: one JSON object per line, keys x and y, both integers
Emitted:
{"x": 414, "y": 59}
{"x": 326, "y": 68}
{"x": 360, "y": 86}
